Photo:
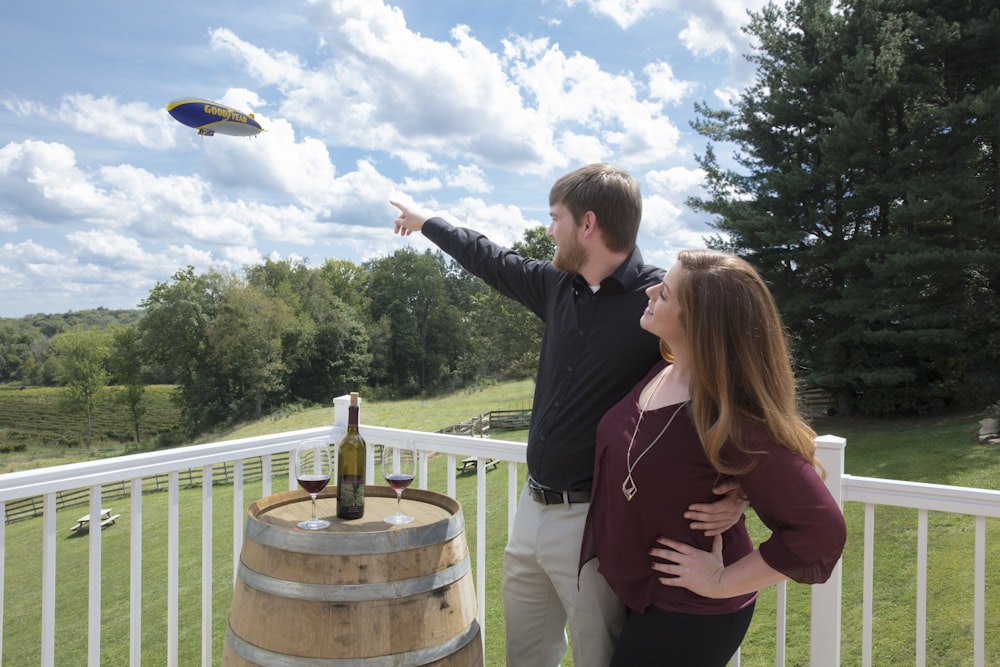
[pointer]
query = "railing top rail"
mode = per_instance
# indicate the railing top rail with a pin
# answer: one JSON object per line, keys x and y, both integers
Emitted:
{"x": 446, "y": 443}
{"x": 89, "y": 473}
{"x": 921, "y": 495}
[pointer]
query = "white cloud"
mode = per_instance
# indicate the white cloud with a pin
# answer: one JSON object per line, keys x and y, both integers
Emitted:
{"x": 711, "y": 26}
{"x": 703, "y": 37}
{"x": 664, "y": 86}
{"x": 129, "y": 122}
{"x": 675, "y": 180}
{"x": 41, "y": 181}
{"x": 469, "y": 177}
{"x": 107, "y": 247}
{"x": 503, "y": 223}
{"x": 623, "y": 12}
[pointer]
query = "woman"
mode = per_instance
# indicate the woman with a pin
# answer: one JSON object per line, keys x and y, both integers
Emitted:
{"x": 720, "y": 405}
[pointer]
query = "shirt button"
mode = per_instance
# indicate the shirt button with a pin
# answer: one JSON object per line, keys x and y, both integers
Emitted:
{"x": 580, "y": 332}
{"x": 569, "y": 369}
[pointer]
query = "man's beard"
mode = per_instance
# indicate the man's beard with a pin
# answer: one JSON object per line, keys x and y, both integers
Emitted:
{"x": 570, "y": 256}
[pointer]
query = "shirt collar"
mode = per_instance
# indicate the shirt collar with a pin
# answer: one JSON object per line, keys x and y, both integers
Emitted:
{"x": 623, "y": 277}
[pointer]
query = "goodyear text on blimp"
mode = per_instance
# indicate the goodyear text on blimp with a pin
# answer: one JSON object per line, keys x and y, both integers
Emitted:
{"x": 228, "y": 114}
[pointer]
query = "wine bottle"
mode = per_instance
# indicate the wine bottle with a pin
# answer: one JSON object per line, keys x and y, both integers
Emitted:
{"x": 351, "y": 467}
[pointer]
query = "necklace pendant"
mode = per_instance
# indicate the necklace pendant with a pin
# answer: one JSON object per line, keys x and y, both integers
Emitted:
{"x": 629, "y": 488}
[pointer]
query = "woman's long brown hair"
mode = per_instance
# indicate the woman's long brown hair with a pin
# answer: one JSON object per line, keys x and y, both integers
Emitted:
{"x": 739, "y": 359}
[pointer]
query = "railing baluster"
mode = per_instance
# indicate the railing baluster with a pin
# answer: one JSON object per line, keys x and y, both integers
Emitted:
{"x": 206, "y": 566}
{"x": 979, "y": 600}
{"x": 481, "y": 542}
{"x": 921, "y": 638}
{"x": 173, "y": 567}
{"x": 265, "y": 475}
{"x": 238, "y": 513}
{"x": 780, "y": 624}
{"x": 94, "y": 579}
{"x": 135, "y": 574}
{"x": 513, "y": 495}
{"x": 868, "y": 575}
{"x": 422, "y": 458}
{"x": 452, "y": 462}
{"x": 49, "y": 581}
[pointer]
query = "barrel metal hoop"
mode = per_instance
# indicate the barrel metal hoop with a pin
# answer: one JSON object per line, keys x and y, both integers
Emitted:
{"x": 334, "y": 544}
{"x": 353, "y": 592}
{"x": 413, "y": 658}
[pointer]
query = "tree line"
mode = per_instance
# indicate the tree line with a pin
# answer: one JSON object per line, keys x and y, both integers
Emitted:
{"x": 865, "y": 189}
{"x": 239, "y": 345}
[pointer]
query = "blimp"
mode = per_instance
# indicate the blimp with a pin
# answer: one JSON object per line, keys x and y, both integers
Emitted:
{"x": 213, "y": 118}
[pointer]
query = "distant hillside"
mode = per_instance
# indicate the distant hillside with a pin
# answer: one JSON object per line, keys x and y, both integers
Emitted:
{"x": 52, "y": 324}
{"x": 24, "y": 340}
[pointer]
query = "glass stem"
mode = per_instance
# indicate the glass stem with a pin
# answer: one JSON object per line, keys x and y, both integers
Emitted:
{"x": 313, "y": 496}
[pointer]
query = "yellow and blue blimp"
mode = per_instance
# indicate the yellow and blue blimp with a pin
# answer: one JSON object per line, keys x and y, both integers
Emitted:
{"x": 211, "y": 117}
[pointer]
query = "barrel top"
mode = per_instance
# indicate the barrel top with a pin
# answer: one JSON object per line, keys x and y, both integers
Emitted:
{"x": 273, "y": 520}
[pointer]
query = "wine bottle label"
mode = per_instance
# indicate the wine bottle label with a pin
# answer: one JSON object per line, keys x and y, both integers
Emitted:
{"x": 351, "y": 497}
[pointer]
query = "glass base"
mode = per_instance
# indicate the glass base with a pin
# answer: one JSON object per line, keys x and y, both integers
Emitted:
{"x": 313, "y": 524}
{"x": 397, "y": 519}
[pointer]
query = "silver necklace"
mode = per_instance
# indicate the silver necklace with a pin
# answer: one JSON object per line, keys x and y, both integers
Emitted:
{"x": 628, "y": 486}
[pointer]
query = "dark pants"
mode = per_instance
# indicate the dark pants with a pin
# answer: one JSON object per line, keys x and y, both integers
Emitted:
{"x": 666, "y": 639}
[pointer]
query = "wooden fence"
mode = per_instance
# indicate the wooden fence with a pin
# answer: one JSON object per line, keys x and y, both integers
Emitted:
{"x": 499, "y": 420}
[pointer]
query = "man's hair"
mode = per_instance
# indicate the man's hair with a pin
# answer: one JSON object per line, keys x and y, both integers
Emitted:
{"x": 611, "y": 194}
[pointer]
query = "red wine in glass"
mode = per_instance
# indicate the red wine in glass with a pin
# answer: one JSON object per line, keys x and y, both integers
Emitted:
{"x": 313, "y": 483}
{"x": 399, "y": 467}
{"x": 399, "y": 481}
{"x": 312, "y": 466}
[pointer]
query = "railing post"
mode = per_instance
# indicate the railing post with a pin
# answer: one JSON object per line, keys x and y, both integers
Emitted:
{"x": 824, "y": 633}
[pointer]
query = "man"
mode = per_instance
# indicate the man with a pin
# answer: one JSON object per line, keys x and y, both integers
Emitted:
{"x": 590, "y": 296}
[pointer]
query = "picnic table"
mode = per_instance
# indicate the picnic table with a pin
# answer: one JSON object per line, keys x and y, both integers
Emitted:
{"x": 107, "y": 518}
{"x": 470, "y": 464}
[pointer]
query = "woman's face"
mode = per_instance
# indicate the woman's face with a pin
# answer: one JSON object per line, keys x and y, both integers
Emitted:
{"x": 662, "y": 316}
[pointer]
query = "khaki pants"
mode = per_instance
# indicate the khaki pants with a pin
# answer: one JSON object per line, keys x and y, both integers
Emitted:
{"x": 540, "y": 591}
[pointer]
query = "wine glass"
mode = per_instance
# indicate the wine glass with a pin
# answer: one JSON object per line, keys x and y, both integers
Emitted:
{"x": 312, "y": 470}
{"x": 399, "y": 466}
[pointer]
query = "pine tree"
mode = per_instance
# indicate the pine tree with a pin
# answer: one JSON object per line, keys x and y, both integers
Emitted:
{"x": 865, "y": 189}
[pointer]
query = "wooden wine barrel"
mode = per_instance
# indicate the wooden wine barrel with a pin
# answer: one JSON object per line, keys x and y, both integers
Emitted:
{"x": 360, "y": 592}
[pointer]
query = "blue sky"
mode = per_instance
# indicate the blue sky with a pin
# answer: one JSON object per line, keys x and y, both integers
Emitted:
{"x": 465, "y": 108}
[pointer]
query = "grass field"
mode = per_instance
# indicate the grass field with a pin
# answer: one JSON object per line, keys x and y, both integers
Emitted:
{"x": 930, "y": 450}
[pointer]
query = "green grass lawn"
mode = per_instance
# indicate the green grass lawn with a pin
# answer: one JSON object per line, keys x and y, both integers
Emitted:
{"x": 939, "y": 450}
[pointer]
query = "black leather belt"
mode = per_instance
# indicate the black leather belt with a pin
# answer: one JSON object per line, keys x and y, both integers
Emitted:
{"x": 547, "y": 496}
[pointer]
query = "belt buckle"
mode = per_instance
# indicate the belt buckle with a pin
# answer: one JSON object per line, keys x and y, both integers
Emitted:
{"x": 538, "y": 492}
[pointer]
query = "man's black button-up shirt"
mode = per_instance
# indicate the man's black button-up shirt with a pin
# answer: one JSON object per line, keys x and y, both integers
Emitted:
{"x": 593, "y": 350}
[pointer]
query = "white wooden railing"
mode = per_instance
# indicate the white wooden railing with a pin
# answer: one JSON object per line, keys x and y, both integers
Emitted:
{"x": 825, "y": 611}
